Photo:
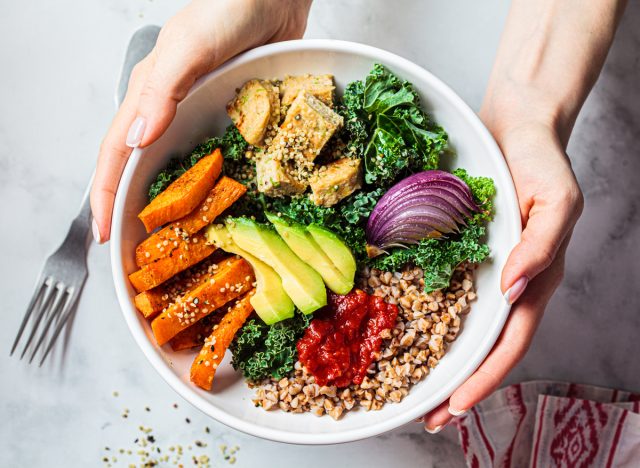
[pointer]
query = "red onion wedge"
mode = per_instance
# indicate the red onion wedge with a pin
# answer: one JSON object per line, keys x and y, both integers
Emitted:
{"x": 425, "y": 205}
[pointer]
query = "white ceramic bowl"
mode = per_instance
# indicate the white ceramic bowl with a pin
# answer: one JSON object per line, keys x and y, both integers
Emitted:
{"x": 202, "y": 114}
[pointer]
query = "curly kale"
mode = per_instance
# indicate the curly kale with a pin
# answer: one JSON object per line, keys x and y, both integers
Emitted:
{"x": 355, "y": 131}
{"x": 483, "y": 190}
{"x": 231, "y": 144}
{"x": 385, "y": 124}
{"x": 261, "y": 350}
{"x": 440, "y": 257}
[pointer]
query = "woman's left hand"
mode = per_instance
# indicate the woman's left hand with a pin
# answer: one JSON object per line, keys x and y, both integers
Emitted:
{"x": 550, "y": 203}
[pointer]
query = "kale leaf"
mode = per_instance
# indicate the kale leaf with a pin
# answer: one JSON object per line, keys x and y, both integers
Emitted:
{"x": 483, "y": 190}
{"x": 261, "y": 350}
{"x": 438, "y": 257}
{"x": 231, "y": 144}
{"x": 385, "y": 124}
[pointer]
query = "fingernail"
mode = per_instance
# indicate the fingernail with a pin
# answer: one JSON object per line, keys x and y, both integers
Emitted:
{"x": 435, "y": 430}
{"x": 515, "y": 291}
{"x": 456, "y": 412}
{"x": 96, "y": 232}
{"x": 136, "y": 132}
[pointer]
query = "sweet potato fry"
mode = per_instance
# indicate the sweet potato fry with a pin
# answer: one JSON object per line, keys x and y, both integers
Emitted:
{"x": 150, "y": 303}
{"x": 156, "y": 273}
{"x": 207, "y": 361}
{"x": 223, "y": 194}
{"x": 195, "y": 335}
{"x": 234, "y": 278}
{"x": 184, "y": 194}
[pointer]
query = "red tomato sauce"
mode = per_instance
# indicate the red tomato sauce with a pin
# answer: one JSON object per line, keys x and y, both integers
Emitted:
{"x": 342, "y": 339}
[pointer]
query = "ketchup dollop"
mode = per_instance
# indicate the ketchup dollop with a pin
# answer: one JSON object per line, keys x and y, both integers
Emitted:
{"x": 342, "y": 339}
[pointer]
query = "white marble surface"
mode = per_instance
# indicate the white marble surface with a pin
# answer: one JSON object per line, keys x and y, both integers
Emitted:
{"x": 59, "y": 62}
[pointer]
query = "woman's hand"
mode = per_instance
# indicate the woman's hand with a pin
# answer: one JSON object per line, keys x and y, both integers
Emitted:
{"x": 194, "y": 42}
{"x": 550, "y": 55}
{"x": 550, "y": 204}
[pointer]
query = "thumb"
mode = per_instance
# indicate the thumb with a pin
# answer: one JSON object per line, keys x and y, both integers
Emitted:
{"x": 549, "y": 223}
{"x": 167, "y": 84}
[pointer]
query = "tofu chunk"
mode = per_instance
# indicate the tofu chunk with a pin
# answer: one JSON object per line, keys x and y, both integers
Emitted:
{"x": 320, "y": 86}
{"x": 274, "y": 179}
{"x": 274, "y": 100}
{"x": 336, "y": 180}
{"x": 307, "y": 127}
{"x": 251, "y": 111}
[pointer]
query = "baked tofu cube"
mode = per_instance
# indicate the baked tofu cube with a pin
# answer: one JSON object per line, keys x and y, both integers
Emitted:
{"x": 320, "y": 86}
{"x": 336, "y": 180}
{"x": 273, "y": 178}
{"x": 274, "y": 100}
{"x": 253, "y": 108}
{"x": 307, "y": 127}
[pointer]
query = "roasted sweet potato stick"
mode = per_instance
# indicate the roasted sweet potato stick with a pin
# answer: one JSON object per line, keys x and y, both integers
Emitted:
{"x": 235, "y": 277}
{"x": 184, "y": 194}
{"x": 207, "y": 361}
{"x": 150, "y": 303}
{"x": 156, "y": 273}
{"x": 195, "y": 335}
{"x": 223, "y": 194}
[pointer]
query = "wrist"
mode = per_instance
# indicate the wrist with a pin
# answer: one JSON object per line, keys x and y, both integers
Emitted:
{"x": 281, "y": 19}
{"x": 509, "y": 106}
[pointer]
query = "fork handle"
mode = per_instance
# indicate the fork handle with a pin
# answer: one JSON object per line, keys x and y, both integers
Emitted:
{"x": 84, "y": 216}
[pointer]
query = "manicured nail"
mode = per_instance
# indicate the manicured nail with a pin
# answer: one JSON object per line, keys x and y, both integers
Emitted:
{"x": 515, "y": 291}
{"x": 435, "y": 430}
{"x": 95, "y": 231}
{"x": 456, "y": 412}
{"x": 136, "y": 132}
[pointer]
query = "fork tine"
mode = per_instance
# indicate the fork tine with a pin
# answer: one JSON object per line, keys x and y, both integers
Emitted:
{"x": 66, "y": 313}
{"x": 55, "y": 308}
{"x": 43, "y": 308}
{"x": 37, "y": 294}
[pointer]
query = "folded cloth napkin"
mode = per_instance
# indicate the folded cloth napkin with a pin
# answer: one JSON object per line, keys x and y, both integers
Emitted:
{"x": 552, "y": 424}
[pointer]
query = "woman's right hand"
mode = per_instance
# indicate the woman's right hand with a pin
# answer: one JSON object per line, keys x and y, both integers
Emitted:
{"x": 194, "y": 42}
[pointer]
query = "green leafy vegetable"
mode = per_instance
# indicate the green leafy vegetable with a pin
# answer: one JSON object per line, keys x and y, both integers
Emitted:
{"x": 260, "y": 350}
{"x": 385, "y": 124}
{"x": 438, "y": 257}
{"x": 231, "y": 144}
{"x": 483, "y": 190}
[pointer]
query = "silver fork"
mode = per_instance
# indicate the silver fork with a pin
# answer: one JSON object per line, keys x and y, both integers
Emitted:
{"x": 58, "y": 286}
{"x": 65, "y": 271}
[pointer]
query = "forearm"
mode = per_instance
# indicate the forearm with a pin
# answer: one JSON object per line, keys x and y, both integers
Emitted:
{"x": 549, "y": 58}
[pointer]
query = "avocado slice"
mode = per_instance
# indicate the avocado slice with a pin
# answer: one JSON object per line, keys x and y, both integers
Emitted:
{"x": 270, "y": 301}
{"x": 305, "y": 247}
{"x": 301, "y": 282}
{"x": 336, "y": 250}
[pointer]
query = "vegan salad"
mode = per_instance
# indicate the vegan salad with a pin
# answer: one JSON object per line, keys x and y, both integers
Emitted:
{"x": 319, "y": 240}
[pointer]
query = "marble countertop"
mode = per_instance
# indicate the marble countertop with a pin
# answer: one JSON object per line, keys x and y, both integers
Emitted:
{"x": 60, "y": 61}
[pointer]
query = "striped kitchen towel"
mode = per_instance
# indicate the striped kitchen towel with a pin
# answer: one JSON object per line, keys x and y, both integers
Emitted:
{"x": 552, "y": 424}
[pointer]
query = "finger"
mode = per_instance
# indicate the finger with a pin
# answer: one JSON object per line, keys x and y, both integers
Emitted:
{"x": 514, "y": 340}
{"x": 549, "y": 222}
{"x": 113, "y": 156}
{"x": 435, "y": 420}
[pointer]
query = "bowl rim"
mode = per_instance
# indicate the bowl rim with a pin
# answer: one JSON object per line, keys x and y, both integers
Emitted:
{"x": 191, "y": 394}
